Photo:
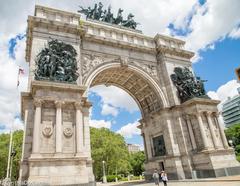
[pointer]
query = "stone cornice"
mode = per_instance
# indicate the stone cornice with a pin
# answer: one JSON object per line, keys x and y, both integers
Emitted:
{"x": 204, "y": 101}
{"x": 167, "y": 38}
{"x": 193, "y": 106}
{"x": 53, "y": 10}
{"x": 56, "y": 86}
{"x": 175, "y": 51}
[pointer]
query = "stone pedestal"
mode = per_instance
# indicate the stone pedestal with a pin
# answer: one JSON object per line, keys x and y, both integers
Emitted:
{"x": 213, "y": 156}
{"x": 56, "y": 149}
{"x": 194, "y": 140}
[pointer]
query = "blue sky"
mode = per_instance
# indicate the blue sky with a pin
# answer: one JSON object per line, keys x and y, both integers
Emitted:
{"x": 210, "y": 28}
{"x": 218, "y": 65}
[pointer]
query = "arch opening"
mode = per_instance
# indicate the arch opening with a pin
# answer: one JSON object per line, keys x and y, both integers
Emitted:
{"x": 135, "y": 84}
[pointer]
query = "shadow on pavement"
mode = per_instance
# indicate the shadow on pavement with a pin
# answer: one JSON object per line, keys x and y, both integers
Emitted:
{"x": 130, "y": 183}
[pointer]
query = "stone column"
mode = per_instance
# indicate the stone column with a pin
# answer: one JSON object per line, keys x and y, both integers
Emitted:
{"x": 86, "y": 132}
{"x": 58, "y": 126}
{"x": 79, "y": 128}
{"x": 210, "y": 123}
{"x": 223, "y": 137}
{"x": 36, "y": 127}
{"x": 145, "y": 146}
{"x": 180, "y": 121}
{"x": 174, "y": 148}
{"x": 149, "y": 149}
{"x": 202, "y": 131}
{"x": 191, "y": 134}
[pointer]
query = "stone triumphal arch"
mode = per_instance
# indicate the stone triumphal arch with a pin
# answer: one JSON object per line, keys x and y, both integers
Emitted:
{"x": 184, "y": 137}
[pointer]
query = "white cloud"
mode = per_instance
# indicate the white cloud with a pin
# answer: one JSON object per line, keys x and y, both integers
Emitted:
{"x": 100, "y": 124}
{"x": 155, "y": 16}
{"x": 129, "y": 130}
{"x": 115, "y": 97}
{"x": 9, "y": 93}
{"x": 109, "y": 110}
{"x": 235, "y": 34}
{"x": 223, "y": 92}
{"x": 212, "y": 22}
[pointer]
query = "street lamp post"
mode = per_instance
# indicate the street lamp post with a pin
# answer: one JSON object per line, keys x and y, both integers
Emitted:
{"x": 104, "y": 173}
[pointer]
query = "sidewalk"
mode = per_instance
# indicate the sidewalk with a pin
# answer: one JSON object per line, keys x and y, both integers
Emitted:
{"x": 221, "y": 181}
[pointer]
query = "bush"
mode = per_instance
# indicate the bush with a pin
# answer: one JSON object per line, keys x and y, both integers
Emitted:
{"x": 124, "y": 179}
{"x": 112, "y": 178}
{"x": 238, "y": 157}
{"x": 135, "y": 178}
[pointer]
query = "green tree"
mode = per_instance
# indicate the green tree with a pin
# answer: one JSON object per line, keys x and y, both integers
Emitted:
{"x": 109, "y": 147}
{"x": 137, "y": 162}
{"x": 17, "y": 146}
{"x": 233, "y": 133}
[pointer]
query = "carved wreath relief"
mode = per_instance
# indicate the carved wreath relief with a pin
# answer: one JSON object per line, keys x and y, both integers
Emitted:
{"x": 67, "y": 129}
{"x": 47, "y": 129}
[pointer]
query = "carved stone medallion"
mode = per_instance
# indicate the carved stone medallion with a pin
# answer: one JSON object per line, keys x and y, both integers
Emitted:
{"x": 47, "y": 129}
{"x": 67, "y": 129}
{"x": 68, "y": 132}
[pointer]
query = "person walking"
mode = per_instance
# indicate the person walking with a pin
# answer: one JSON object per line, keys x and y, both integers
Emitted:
{"x": 164, "y": 178}
{"x": 156, "y": 177}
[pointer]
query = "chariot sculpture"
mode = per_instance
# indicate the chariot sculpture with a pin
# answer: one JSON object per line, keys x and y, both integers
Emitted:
{"x": 97, "y": 13}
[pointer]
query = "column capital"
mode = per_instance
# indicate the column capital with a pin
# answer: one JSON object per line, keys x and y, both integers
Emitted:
{"x": 199, "y": 113}
{"x": 78, "y": 105}
{"x": 59, "y": 104}
{"x": 216, "y": 114}
{"x": 209, "y": 113}
{"x": 37, "y": 102}
{"x": 186, "y": 116}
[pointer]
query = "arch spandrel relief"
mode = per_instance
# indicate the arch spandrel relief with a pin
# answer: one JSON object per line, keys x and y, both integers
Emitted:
{"x": 90, "y": 62}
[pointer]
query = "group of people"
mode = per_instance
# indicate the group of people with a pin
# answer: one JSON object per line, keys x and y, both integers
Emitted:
{"x": 160, "y": 177}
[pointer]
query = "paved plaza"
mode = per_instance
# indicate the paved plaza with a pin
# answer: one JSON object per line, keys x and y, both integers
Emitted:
{"x": 207, "y": 183}
{"x": 222, "y": 181}
{"x": 196, "y": 184}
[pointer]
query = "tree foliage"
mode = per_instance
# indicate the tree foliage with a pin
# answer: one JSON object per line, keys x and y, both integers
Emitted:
{"x": 109, "y": 147}
{"x": 137, "y": 162}
{"x": 233, "y": 133}
{"x": 4, "y": 146}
